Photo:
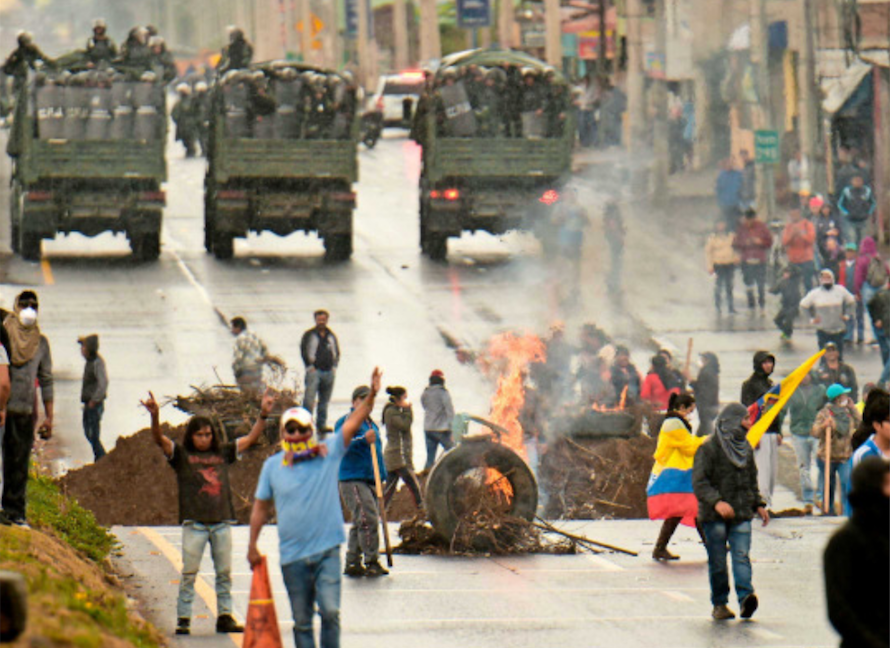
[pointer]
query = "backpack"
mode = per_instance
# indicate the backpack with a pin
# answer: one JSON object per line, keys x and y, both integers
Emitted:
{"x": 876, "y": 275}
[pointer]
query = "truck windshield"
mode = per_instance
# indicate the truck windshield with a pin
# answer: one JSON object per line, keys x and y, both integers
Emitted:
{"x": 402, "y": 88}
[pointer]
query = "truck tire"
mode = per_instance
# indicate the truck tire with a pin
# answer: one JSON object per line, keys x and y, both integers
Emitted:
{"x": 223, "y": 245}
{"x": 13, "y": 606}
{"x": 148, "y": 246}
{"x": 469, "y": 456}
{"x": 338, "y": 247}
{"x": 29, "y": 244}
{"x": 436, "y": 246}
{"x": 209, "y": 217}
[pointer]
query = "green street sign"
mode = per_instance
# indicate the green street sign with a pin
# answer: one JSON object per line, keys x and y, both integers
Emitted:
{"x": 766, "y": 146}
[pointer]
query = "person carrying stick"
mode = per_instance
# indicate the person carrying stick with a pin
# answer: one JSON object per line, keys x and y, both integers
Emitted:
{"x": 834, "y": 428}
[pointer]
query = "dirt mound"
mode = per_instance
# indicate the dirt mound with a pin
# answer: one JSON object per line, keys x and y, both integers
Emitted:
{"x": 133, "y": 485}
{"x": 589, "y": 479}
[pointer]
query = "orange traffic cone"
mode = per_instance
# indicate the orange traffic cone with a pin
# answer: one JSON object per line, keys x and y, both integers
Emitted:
{"x": 261, "y": 627}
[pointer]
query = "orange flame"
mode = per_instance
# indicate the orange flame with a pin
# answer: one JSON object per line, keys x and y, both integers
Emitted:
{"x": 618, "y": 408}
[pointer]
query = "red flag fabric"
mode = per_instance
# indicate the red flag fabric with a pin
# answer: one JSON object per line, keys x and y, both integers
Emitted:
{"x": 261, "y": 627}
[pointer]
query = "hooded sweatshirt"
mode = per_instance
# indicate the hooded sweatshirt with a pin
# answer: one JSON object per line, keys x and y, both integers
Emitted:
{"x": 758, "y": 384}
{"x": 868, "y": 249}
{"x": 830, "y": 305}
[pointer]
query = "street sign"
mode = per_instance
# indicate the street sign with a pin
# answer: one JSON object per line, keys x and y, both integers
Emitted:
{"x": 766, "y": 146}
{"x": 473, "y": 13}
{"x": 351, "y": 15}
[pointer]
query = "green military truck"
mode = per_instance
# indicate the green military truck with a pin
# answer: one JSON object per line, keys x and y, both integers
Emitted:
{"x": 87, "y": 152}
{"x": 493, "y": 183}
{"x": 270, "y": 167}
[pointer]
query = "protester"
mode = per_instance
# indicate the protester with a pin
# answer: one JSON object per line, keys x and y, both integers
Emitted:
{"x": 656, "y": 391}
{"x": 722, "y": 260}
{"x": 321, "y": 355}
{"x": 788, "y": 287}
{"x": 724, "y": 479}
{"x": 729, "y": 192}
{"x": 841, "y": 417}
{"x": 803, "y": 407}
{"x": 766, "y": 453}
{"x": 829, "y": 235}
{"x": 846, "y": 277}
{"x": 830, "y": 305}
{"x": 249, "y": 356}
{"x": 30, "y": 365}
{"x": 857, "y": 562}
{"x": 832, "y": 370}
{"x": 206, "y": 513}
{"x": 753, "y": 241}
{"x": 707, "y": 392}
{"x": 357, "y": 482}
{"x": 857, "y": 203}
{"x": 438, "y": 412}
{"x": 93, "y": 391}
{"x": 872, "y": 272}
{"x": 799, "y": 241}
{"x": 872, "y": 438}
{"x": 398, "y": 457}
{"x": 625, "y": 378}
{"x": 879, "y": 311}
{"x": 677, "y": 376}
{"x": 669, "y": 493}
{"x": 300, "y": 484}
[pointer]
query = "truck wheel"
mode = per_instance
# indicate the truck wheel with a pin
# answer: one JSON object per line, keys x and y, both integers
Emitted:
{"x": 223, "y": 245}
{"x": 338, "y": 247}
{"x": 209, "y": 217}
{"x": 436, "y": 246}
{"x": 442, "y": 500}
{"x": 29, "y": 244}
{"x": 148, "y": 246}
{"x": 13, "y": 605}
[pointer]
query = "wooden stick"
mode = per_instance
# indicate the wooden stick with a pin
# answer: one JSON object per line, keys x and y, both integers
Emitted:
{"x": 577, "y": 538}
{"x": 688, "y": 360}
{"x": 381, "y": 504}
{"x": 826, "y": 496}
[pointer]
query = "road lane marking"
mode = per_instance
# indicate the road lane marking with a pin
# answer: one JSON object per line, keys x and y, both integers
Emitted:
{"x": 192, "y": 279}
{"x": 48, "y": 278}
{"x": 203, "y": 589}
{"x": 678, "y": 596}
{"x": 763, "y": 633}
{"x": 604, "y": 563}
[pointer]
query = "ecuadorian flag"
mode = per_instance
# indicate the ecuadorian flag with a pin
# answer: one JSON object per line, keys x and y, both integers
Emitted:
{"x": 670, "y": 483}
{"x": 767, "y": 408}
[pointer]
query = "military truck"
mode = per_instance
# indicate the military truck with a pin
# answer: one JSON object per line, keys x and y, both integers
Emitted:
{"x": 282, "y": 157}
{"x": 87, "y": 151}
{"x": 476, "y": 181}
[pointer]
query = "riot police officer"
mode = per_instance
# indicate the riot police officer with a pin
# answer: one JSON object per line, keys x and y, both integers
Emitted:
{"x": 26, "y": 55}
{"x": 101, "y": 50}
{"x": 238, "y": 54}
{"x": 161, "y": 60}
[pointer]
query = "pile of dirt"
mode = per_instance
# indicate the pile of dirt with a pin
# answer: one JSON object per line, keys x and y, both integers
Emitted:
{"x": 134, "y": 486}
{"x": 588, "y": 479}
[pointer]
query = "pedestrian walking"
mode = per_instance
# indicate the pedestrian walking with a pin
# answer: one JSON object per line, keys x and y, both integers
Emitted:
{"x": 30, "y": 365}
{"x": 300, "y": 484}
{"x": 803, "y": 407}
{"x": 201, "y": 463}
{"x": 93, "y": 391}
{"x": 836, "y": 421}
{"x": 722, "y": 259}
{"x": 398, "y": 457}
{"x": 872, "y": 273}
{"x": 615, "y": 233}
{"x": 861, "y": 549}
{"x": 321, "y": 356}
{"x": 799, "y": 241}
{"x": 829, "y": 306}
{"x": 829, "y": 234}
{"x": 857, "y": 203}
{"x": 724, "y": 479}
{"x": 438, "y": 412}
{"x": 833, "y": 370}
{"x": 357, "y": 483}
{"x": 753, "y": 241}
{"x": 729, "y": 192}
{"x": 766, "y": 454}
{"x": 706, "y": 388}
{"x": 846, "y": 277}
{"x": 669, "y": 493}
{"x": 250, "y": 355}
{"x": 788, "y": 288}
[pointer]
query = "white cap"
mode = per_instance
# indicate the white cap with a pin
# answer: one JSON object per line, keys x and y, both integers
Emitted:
{"x": 300, "y": 415}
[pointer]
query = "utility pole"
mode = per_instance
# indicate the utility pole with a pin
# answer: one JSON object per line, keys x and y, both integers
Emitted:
{"x": 400, "y": 32}
{"x": 362, "y": 53}
{"x": 636, "y": 100}
{"x": 808, "y": 126}
{"x": 553, "y": 32}
{"x": 306, "y": 32}
{"x": 766, "y": 186}
{"x": 506, "y": 24}
{"x": 602, "y": 61}
{"x": 430, "y": 42}
{"x": 660, "y": 149}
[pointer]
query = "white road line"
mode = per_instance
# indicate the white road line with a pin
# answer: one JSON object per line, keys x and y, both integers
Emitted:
{"x": 604, "y": 563}
{"x": 678, "y": 596}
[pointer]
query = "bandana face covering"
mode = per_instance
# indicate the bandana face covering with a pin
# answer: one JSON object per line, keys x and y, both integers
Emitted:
{"x": 295, "y": 452}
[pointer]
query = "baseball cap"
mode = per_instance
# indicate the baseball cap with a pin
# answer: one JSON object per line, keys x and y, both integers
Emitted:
{"x": 299, "y": 415}
{"x": 851, "y": 246}
{"x": 816, "y": 202}
{"x": 437, "y": 373}
{"x": 836, "y": 390}
{"x": 360, "y": 392}
{"x": 830, "y": 346}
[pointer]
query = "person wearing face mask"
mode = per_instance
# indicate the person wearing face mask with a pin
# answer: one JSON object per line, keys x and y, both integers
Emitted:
{"x": 766, "y": 454}
{"x": 30, "y": 363}
{"x": 859, "y": 553}
{"x": 830, "y": 306}
{"x": 724, "y": 480}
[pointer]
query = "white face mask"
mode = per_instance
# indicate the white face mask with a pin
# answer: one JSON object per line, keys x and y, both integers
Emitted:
{"x": 28, "y": 316}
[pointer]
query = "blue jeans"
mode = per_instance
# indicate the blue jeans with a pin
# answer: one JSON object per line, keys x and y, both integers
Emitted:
{"x": 824, "y": 337}
{"x": 840, "y": 471}
{"x": 433, "y": 441}
{"x": 867, "y": 292}
{"x": 195, "y": 536}
{"x": 805, "y": 449}
{"x": 807, "y": 271}
{"x": 855, "y": 231}
{"x": 738, "y": 536}
{"x": 319, "y": 384}
{"x": 857, "y": 324}
{"x": 92, "y": 418}
{"x": 315, "y": 581}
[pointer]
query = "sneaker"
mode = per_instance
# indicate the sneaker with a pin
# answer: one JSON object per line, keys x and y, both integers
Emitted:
{"x": 225, "y": 623}
{"x": 20, "y": 522}
{"x": 375, "y": 569}
{"x": 749, "y": 606}
{"x": 354, "y": 569}
{"x": 183, "y": 626}
{"x": 722, "y": 613}
{"x": 660, "y": 553}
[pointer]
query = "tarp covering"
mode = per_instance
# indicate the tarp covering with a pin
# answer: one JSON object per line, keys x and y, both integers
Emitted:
{"x": 838, "y": 91}
{"x": 492, "y": 57}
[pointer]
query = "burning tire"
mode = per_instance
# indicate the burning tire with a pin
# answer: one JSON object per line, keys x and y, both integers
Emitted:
{"x": 487, "y": 462}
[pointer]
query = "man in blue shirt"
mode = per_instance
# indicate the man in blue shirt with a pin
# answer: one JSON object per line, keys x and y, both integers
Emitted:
{"x": 301, "y": 483}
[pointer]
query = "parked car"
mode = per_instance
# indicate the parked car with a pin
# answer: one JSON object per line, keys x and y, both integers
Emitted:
{"x": 397, "y": 96}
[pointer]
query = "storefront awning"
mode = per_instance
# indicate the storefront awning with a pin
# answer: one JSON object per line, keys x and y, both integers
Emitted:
{"x": 837, "y": 91}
